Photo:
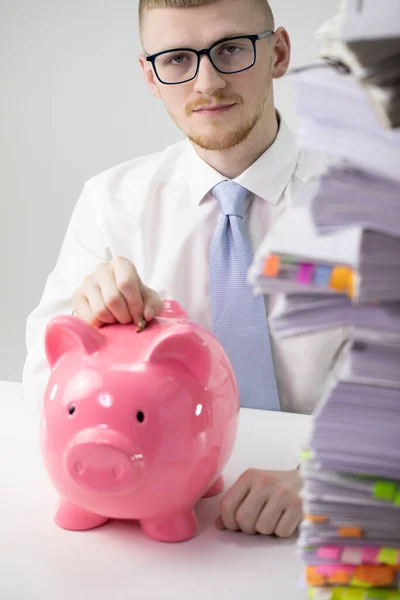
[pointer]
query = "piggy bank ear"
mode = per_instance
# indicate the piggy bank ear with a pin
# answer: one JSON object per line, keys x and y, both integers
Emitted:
{"x": 66, "y": 332}
{"x": 185, "y": 346}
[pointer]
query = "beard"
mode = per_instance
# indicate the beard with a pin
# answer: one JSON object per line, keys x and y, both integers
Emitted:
{"x": 218, "y": 137}
{"x": 218, "y": 140}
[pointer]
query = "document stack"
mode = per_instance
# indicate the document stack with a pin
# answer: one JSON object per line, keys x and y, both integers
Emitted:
{"x": 333, "y": 260}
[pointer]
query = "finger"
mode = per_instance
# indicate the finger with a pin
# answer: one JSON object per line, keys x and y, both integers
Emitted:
{"x": 113, "y": 298}
{"x": 220, "y": 524}
{"x": 251, "y": 508}
{"x": 152, "y": 302}
{"x": 272, "y": 511}
{"x": 128, "y": 282}
{"x": 97, "y": 305}
{"x": 290, "y": 520}
{"x": 83, "y": 311}
{"x": 231, "y": 501}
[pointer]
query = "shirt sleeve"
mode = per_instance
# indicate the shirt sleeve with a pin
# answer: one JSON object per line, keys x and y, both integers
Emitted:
{"x": 83, "y": 248}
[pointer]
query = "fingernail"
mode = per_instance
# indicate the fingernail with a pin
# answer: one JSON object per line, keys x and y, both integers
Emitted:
{"x": 148, "y": 313}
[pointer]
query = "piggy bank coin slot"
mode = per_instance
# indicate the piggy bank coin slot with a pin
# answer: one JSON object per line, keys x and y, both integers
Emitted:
{"x": 140, "y": 416}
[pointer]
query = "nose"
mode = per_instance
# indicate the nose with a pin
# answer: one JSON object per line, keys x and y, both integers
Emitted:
{"x": 103, "y": 461}
{"x": 208, "y": 79}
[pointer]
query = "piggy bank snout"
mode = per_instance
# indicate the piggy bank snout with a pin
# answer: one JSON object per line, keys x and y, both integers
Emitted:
{"x": 103, "y": 461}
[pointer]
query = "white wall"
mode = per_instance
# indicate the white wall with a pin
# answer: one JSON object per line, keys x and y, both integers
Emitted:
{"x": 72, "y": 103}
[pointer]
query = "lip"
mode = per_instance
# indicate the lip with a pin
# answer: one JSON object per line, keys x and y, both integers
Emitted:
{"x": 212, "y": 110}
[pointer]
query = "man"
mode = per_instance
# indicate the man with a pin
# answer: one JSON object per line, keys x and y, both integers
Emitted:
{"x": 158, "y": 226}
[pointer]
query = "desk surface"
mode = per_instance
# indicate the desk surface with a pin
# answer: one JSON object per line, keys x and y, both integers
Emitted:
{"x": 38, "y": 561}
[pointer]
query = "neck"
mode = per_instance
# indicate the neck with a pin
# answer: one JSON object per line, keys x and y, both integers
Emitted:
{"x": 234, "y": 161}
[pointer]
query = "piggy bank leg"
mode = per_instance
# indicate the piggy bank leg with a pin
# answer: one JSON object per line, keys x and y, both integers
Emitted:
{"x": 180, "y": 528}
{"x": 72, "y": 517}
{"x": 216, "y": 488}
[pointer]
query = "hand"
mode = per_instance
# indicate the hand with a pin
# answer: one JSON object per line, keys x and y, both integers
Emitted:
{"x": 114, "y": 293}
{"x": 265, "y": 502}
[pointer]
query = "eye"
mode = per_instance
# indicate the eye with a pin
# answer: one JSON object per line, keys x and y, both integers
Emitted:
{"x": 71, "y": 409}
{"x": 231, "y": 49}
{"x": 140, "y": 416}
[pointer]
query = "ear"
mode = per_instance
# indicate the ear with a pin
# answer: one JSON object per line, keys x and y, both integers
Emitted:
{"x": 184, "y": 345}
{"x": 66, "y": 332}
{"x": 149, "y": 75}
{"x": 282, "y": 52}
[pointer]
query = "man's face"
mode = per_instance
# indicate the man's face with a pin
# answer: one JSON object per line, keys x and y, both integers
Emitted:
{"x": 245, "y": 96}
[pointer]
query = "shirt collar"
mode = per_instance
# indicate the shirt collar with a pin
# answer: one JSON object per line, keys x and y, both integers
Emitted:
{"x": 266, "y": 178}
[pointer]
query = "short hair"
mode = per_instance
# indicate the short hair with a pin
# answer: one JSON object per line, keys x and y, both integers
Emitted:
{"x": 145, "y": 5}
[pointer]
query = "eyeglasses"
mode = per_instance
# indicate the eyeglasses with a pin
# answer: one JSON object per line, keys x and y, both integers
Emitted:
{"x": 228, "y": 56}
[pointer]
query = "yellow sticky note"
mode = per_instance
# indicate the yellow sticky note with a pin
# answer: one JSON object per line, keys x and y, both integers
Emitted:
{"x": 388, "y": 556}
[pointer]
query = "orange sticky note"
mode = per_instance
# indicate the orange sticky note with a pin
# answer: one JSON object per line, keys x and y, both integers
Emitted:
{"x": 377, "y": 576}
{"x": 339, "y": 578}
{"x": 313, "y": 577}
{"x": 271, "y": 266}
{"x": 342, "y": 280}
{"x": 316, "y": 518}
{"x": 350, "y": 532}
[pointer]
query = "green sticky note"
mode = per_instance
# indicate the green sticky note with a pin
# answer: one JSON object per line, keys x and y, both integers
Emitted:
{"x": 397, "y": 499}
{"x": 385, "y": 490}
{"x": 306, "y": 455}
{"x": 388, "y": 556}
{"x": 360, "y": 584}
{"x": 378, "y": 594}
{"x": 289, "y": 259}
{"x": 311, "y": 593}
{"x": 352, "y": 594}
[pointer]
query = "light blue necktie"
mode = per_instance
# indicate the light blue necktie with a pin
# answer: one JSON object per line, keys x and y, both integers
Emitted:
{"x": 238, "y": 317}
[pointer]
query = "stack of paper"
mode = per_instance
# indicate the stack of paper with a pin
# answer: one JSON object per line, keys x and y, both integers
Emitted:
{"x": 333, "y": 261}
{"x": 365, "y": 36}
{"x": 294, "y": 259}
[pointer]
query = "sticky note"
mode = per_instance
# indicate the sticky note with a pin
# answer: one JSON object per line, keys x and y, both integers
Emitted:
{"x": 271, "y": 266}
{"x": 339, "y": 578}
{"x": 388, "y": 556}
{"x": 316, "y": 518}
{"x": 313, "y": 577}
{"x": 351, "y": 532}
{"x": 329, "y": 552}
{"x": 352, "y": 556}
{"x": 341, "y": 279}
{"x": 305, "y": 273}
{"x": 351, "y": 594}
{"x": 397, "y": 499}
{"x": 306, "y": 455}
{"x": 385, "y": 490}
{"x": 370, "y": 554}
{"x": 372, "y": 576}
{"x": 289, "y": 259}
{"x": 329, "y": 570}
{"x": 322, "y": 275}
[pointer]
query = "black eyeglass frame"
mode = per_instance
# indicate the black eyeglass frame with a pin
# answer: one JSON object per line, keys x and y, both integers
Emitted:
{"x": 207, "y": 51}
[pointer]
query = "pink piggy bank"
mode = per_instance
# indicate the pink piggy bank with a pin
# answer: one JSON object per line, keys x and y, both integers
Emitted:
{"x": 137, "y": 426}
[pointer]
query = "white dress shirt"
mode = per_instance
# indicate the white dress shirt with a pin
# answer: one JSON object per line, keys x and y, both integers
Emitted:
{"x": 157, "y": 211}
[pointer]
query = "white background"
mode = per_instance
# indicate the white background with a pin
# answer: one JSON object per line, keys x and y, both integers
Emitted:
{"x": 72, "y": 103}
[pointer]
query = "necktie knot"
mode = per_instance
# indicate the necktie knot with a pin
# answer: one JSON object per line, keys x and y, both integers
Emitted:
{"x": 231, "y": 197}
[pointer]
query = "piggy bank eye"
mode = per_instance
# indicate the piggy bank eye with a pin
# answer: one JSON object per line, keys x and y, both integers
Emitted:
{"x": 71, "y": 409}
{"x": 140, "y": 416}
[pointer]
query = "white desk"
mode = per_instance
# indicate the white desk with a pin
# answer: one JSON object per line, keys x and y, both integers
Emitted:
{"x": 38, "y": 561}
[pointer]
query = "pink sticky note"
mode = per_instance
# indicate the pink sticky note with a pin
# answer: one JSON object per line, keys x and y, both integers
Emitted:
{"x": 370, "y": 555}
{"x": 329, "y": 552}
{"x": 329, "y": 570}
{"x": 305, "y": 273}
